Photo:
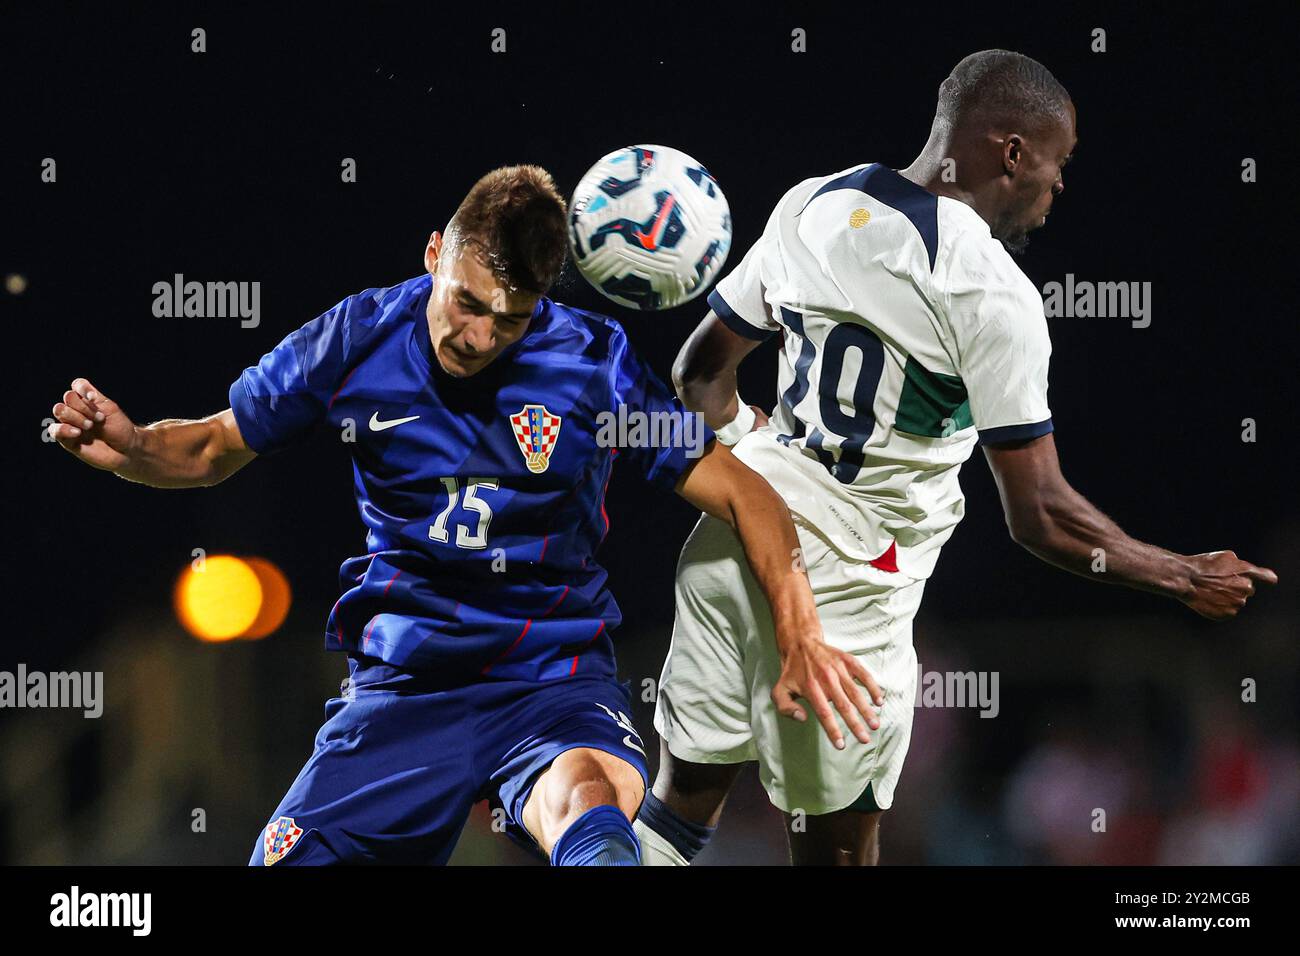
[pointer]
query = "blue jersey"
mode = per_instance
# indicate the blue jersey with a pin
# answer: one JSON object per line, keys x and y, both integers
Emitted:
{"x": 483, "y": 497}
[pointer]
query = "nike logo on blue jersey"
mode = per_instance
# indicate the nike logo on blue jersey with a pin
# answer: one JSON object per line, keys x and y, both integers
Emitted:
{"x": 377, "y": 426}
{"x": 422, "y": 593}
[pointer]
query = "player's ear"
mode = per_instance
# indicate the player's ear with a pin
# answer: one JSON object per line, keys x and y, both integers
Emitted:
{"x": 1012, "y": 152}
{"x": 432, "y": 252}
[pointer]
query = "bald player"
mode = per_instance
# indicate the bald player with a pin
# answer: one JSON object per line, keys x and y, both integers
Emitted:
{"x": 908, "y": 336}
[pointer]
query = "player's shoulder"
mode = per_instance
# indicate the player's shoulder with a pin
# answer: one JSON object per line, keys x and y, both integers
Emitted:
{"x": 825, "y": 188}
{"x": 387, "y": 304}
{"x": 831, "y": 191}
{"x": 580, "y": 332}
{"x": 358, "y": 327}
{"x": 865, "y": 210}
{"x": 361, "y": 322}
{"x": 969, "y": 258}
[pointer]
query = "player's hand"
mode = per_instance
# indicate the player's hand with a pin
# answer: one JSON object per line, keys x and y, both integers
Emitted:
{"x": 760, "y": 417}
{"x": 91, "y": 426}
{"x": 1222, "y": 583}
{"x": 831, "y": 680}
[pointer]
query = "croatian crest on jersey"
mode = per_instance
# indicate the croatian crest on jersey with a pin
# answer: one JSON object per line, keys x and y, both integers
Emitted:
{"x": 536, "y": 430}
{"x": 281, "y": 837}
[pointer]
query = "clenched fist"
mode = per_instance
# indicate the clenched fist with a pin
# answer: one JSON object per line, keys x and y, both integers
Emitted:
{"x": 1222, "y": 583}
{"x": 91, "y": 426}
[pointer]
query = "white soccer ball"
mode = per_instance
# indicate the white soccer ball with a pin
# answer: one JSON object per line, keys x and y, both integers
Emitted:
{"x": 649, "y": 227}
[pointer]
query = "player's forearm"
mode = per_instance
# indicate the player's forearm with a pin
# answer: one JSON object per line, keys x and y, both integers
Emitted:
{"x": 722, "y": 486}
{"x": 762, "y": 522}
{"x": 177, "y": 453}
{"x": 1069, "y": 532}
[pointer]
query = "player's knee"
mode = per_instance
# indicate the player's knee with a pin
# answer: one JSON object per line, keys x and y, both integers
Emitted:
{"x": 844, "y": 838}
{"x": 582, "y": 779}
{"x": 569, "y": 796}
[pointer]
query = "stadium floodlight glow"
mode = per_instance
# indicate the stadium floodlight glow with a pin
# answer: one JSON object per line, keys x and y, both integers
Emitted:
{"x": 276, "y": 598}
{"x": 226, "y": 598}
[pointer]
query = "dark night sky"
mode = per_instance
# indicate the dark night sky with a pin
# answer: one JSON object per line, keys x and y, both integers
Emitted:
{"x": 225, "y": 166}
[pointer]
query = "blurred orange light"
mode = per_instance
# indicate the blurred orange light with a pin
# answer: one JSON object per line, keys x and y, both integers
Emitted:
{"x": 231, "y": 598}
{"x": 276, "y": 598}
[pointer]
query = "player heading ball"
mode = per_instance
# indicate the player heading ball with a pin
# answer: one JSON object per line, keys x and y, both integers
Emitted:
{"x": 476, "y": 622}
{"x": 900, "y": 283}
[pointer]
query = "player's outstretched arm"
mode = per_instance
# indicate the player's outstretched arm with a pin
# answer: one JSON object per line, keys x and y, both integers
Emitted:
{"x": 166, "y": 454}
{"x": 830, "y": 679}
{"x": 1056, "y": 523}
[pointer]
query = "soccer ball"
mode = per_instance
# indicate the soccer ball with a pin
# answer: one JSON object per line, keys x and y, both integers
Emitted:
{"x": 649, "y": 227}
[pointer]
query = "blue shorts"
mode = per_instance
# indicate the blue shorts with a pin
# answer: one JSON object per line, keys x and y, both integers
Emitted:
{"x": 399, "y": 762}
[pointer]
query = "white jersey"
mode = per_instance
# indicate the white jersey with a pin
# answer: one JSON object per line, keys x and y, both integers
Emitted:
{"x": 909, "y": 334}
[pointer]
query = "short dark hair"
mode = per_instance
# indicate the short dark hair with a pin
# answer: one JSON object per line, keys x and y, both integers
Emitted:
{"x": 1002, "y": 88}
{"x": 515, "y": 219}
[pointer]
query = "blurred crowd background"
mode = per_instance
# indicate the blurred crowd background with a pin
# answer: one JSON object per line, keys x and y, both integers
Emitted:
{"x": 225, "y": 166}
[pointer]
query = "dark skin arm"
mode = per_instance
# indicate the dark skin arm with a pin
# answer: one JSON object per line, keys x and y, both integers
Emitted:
{"x": 704, "y": 373}
{"x": 1044, "y": 514}
{"x": 1057, "y": 524}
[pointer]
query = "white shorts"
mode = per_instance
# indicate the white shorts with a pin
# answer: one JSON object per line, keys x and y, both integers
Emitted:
{"x": 714, "y": 703}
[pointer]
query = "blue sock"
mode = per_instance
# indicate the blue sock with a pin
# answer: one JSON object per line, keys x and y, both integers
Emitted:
{"x": 600, "y": 837}
{"x": 687, "y": 838}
